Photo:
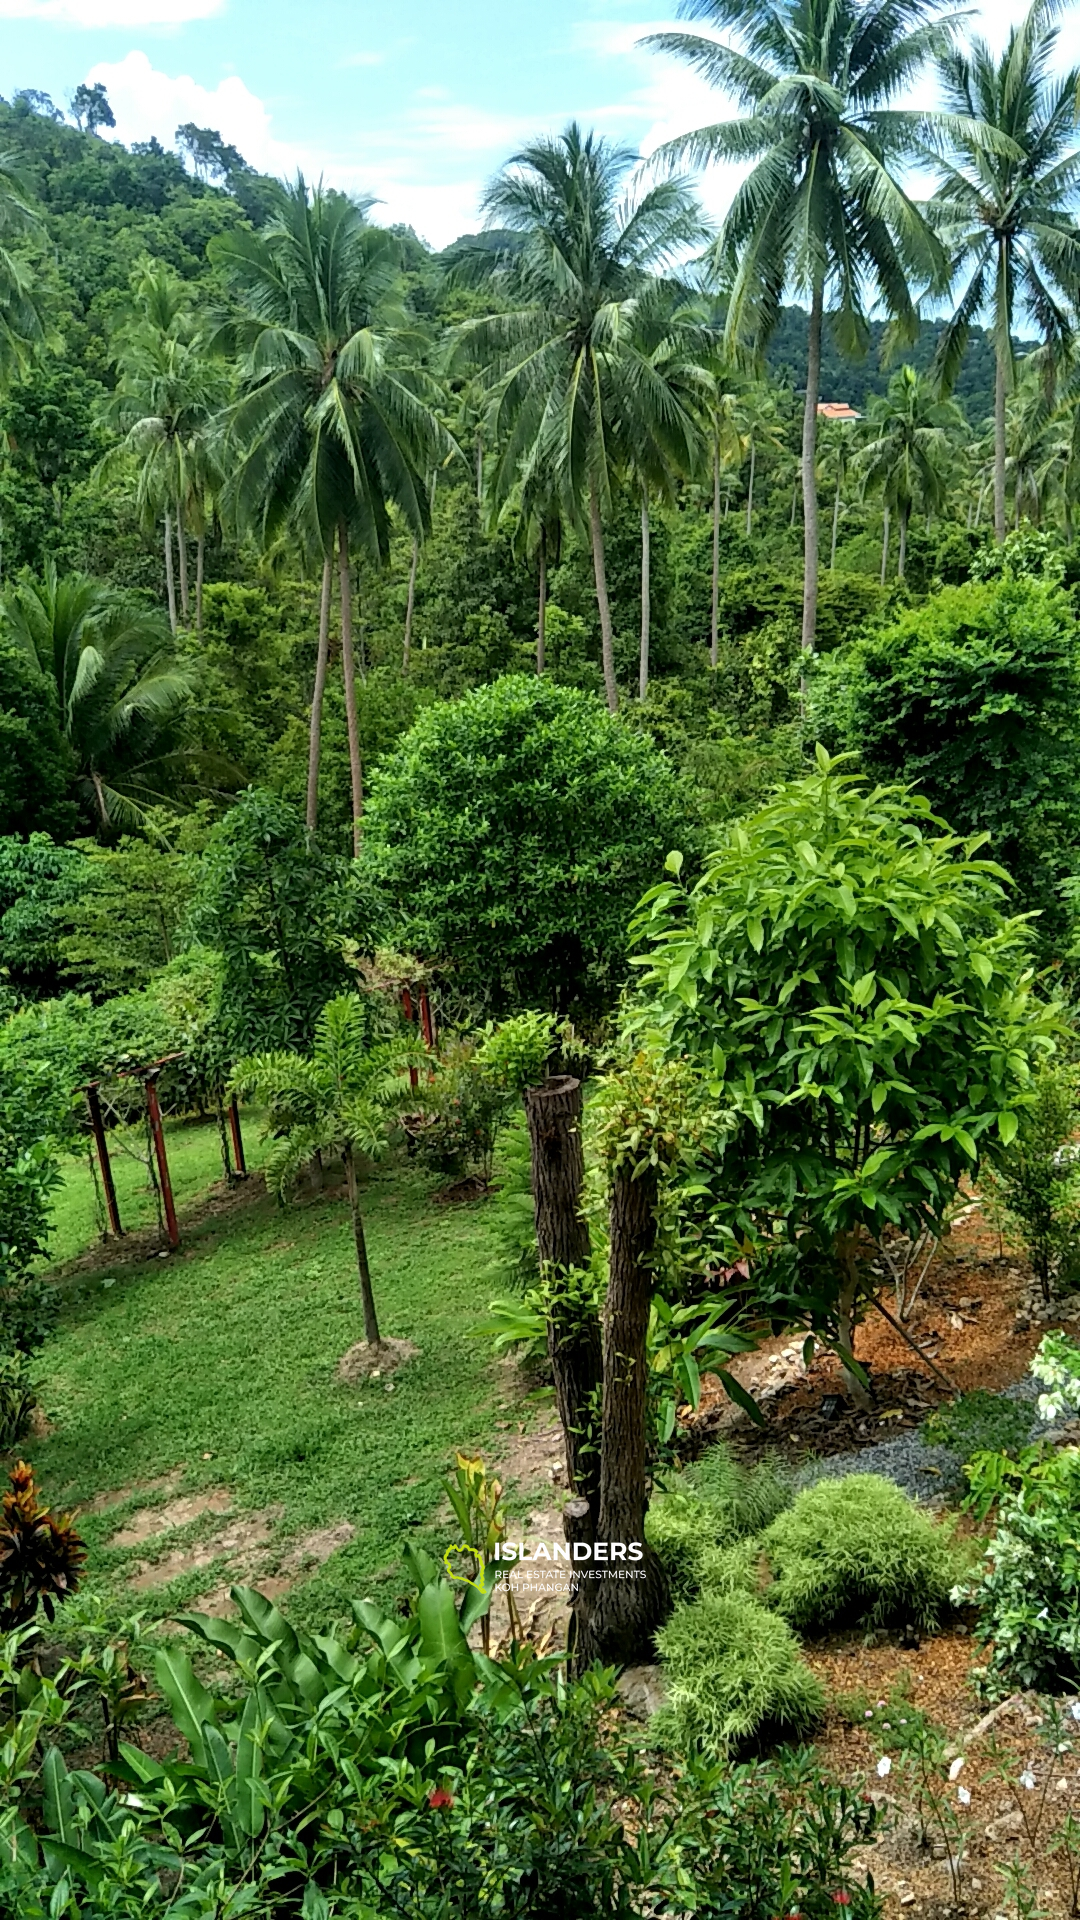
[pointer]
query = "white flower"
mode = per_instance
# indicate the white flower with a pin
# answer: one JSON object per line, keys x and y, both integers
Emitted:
{"x": 884, "y": 1767}
{"x": 957, "y": 1766}
{"x": 964, "y": 1796}
{"x": 1044, "y": 1615}
{"x": 1075, "y": 1709}
{"x": 1027, "y": 1780}
{"x": 869, "y": 1714}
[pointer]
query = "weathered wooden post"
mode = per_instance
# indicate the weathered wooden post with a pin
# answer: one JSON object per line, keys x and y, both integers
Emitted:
{"x": 153, "y": 1114}
{"x": 98, "y": 1127}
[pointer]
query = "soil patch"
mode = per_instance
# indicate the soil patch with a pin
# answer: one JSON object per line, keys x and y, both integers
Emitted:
{"x": 462, "y": 1191}
{"x": 166, "y": 1483}
{"x": 301, "y": 1558}
{"x": 375, "y": 1363}
{"x": 153, "y": 1521}
{"x": 244, "y": 1541}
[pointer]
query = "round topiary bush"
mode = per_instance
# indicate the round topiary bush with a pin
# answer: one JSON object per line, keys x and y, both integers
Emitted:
{"x": 858, "y": 1551}
{"x": 510, "y": 836}
{"x": 733, "y": 1670}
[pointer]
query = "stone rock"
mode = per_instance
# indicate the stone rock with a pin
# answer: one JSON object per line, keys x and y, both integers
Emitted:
{"x": 642, "y": 1690}
{"x": 1009, "y": 1825}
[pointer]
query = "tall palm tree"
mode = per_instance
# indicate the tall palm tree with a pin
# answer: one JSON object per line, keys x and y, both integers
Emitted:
{"x": 330, "y": 429}
{"x": 906, "y": 453}
{"x": 727, "y": 448}
{"x": 121, "y": 696}
{"x": 21, "y": 322}
{"x": 822, "y": 212}
{"x": 659, "y": 432}
{"x": 568, "y": 378}
{"x": 167, "y": 391}
{"x": 1004, "y": 206}
{"x": 759, "y": 422}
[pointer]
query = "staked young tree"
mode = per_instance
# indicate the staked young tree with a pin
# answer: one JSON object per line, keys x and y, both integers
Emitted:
{"x": 823, "y": 212}
{"x": 1008, "y": 187}
{"x": 333, "y": 426}
{"x": 569, "y": 385}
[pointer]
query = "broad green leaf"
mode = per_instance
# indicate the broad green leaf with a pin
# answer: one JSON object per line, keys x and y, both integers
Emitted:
{"x": 188, "y": 1699}
{"x": 1007, "y": 1126}
{"x": 755, "y": 933}
{"x": 737, "y": 1392}
{"x": 250, "y": 1811}
{"x": 59, "y": 1798}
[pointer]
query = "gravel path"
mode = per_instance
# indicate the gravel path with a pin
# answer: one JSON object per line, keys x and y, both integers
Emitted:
{"x": 929, "y": 1473}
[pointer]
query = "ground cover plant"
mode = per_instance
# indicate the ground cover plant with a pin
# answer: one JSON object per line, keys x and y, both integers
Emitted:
{"x": 733, "y": 1671}
{"x": 268, "y": 1302}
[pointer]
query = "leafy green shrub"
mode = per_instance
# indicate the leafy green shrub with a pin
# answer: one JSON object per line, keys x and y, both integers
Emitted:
{"x": 509, "y": 836}
{"x": 734, "y": 1671}
{"x": 457, "y": 1115}
{"x": 716, "y": 1503}
{"x": 18, "y": 1398}
{"x": 1028, "y": 1589}
{"x": 978, "y": 1422}
{"x": 1035, "y": 1185}
{"x": 858, "y": 1551}
{"x": 41, "y": 1557}
{"x": 390, "y": 1769}
{"x": 893, "y": 1726}
{"x": 1056, "y": 1366}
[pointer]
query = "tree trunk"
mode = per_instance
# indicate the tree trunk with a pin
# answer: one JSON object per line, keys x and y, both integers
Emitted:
{"x": 410, "y": 605}
{"x": 181, "y": 549}
{"x": 616, "y": 1618}
{"x": 607, "y": 642}
{"x": 845, "y": 1316}
{"x": 809, "y": 475}
{"x": 553, "y": 1112}
{"x": 348, "y": 669}
{"x": 317, "y": 692}
{"x": 750, "y": 488}
{"x": 541, "y": 611}
{"x": 479, "y": 469}
{"x": 901, "y": 557}
{"x": 371, "y": 1324}
{"x": 99, "y": 795}
{"x": 714, "y": 627}
{"x": 646, "y": 596}
{"x": 170, "y": 578}
{"x": 999, "y": 446}
{"x": 835, "y": 519}
{"x": 200, "y": 566}
{"x": 884, "y": 544}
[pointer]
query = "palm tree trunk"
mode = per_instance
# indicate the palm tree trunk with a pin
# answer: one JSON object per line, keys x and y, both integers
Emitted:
{"x": 835, "y": 519}
{"x": 541, "y": 611}
{"x": 371, "y": 1324}
{"x": 479, "y": 469}
{"x": 99, "y": 795}
{"x": 714, "y": 627}
{"x": 317, "y": 692}
{"x": 884, "y": 545}
{"x": 170, "y": 578}
{"x": 181, "y": 548}
{"x": 999, "y": 446}
{"x": 348, "y": 671}
{"x": 809, "y": 475}
{"x": 646, "y": 595}
{"x": 750, "y": 488}
{"x": 901, "y": 558}
{"x": 200, "y": 564}
{"x": 607, "y": 640}
{"x": 410, "y": 606}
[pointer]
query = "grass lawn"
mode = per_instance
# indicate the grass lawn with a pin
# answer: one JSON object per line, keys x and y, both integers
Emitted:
{"x": 220, "y": 1362}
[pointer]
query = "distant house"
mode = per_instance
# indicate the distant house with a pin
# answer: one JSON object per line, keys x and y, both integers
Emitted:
{"x": 836, "y": 410}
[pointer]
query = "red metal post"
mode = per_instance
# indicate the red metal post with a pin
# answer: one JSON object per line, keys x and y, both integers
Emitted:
{"x": 427, "y": 1024}
{"x": 407, "y": 1010}
{"x": 98, "y": 1126}
{"x": 153, "y": 1110}
{"x": 237, "y": 1138}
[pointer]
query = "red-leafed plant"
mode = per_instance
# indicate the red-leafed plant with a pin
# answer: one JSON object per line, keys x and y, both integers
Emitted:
{"x": 41, "y": 1558}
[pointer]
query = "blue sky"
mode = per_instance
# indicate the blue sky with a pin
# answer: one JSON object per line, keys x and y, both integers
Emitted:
{"x": 418, "y": 104}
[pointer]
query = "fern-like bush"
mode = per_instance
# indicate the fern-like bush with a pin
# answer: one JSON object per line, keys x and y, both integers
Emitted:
{"x": 717, "y": 1503}
{"x": 858, "y": 1551}
{"x": 734, "y": 1671}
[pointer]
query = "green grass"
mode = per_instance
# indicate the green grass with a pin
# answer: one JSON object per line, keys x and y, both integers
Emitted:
{"x": 194, "y": 1165}
{"x": 228, "y": 1350}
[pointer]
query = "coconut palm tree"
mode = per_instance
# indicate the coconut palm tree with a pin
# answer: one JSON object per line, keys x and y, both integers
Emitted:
{"x": 822, "y": 213}
{"x": 1005, "y": 202}
{"x": 331, "y": 428}
{"x": 338, "y": 1100}
{"x": 21, "y": 323}
{"x": 120, "y": 695}
{"x": 561, "y": 359}
{"x": 168, "y": 390}
{"x": 906, "y": 453}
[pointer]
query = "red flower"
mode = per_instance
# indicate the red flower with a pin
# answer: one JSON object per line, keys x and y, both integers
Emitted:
{"x": 440, "y": 1798}
{"x": 842, "y": 1899}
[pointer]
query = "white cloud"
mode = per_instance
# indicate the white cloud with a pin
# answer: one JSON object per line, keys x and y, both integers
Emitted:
{"x": 110, "y": 13}
{"x": 147, "y": 103}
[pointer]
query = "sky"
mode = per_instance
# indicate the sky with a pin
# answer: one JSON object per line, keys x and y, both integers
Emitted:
{"x": 417, "y": 105}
